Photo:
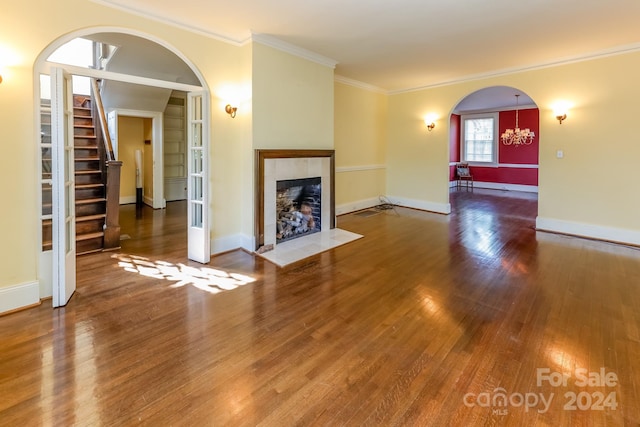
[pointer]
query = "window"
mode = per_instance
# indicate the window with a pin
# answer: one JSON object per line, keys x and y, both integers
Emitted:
{"x": 479, "y": 138}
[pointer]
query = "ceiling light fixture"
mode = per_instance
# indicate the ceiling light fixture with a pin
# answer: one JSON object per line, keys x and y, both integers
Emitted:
{"x": 517, "y": 136}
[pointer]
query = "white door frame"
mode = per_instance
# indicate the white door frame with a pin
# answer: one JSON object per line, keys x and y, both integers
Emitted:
{"x": 42, "y": 66}
{"x": 158, "y": 201}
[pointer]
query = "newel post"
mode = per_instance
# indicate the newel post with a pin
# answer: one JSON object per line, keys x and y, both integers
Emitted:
{"x": 112, "y": 221}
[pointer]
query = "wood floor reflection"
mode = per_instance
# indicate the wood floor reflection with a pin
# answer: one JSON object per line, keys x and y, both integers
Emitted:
{"x": 466, "y": 319}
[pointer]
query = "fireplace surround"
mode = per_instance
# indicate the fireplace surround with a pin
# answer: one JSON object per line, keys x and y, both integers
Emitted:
{"x": 279, "y": 165}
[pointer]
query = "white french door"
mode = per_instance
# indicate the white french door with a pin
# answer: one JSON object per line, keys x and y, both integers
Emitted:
{"x": 197, "y": 178}
{"x": 63, "y": 188}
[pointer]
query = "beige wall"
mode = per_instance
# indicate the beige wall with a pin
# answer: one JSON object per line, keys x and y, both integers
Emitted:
{"x": 28, "y": 28}
{"x": 290, "y": 104}
{"x": 147, "y": 159}
{"x": 130, "y": 139}
{"x": 360, "y": 128}
{"x": 292, "y": 101}
{"x": 583, "y": 193}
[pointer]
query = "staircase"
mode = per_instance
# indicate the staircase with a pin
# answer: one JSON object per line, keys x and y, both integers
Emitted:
{"x": 89, "y": 176}
{"x": 90, "y": 182}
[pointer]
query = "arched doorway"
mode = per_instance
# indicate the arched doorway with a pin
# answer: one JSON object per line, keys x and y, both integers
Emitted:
{"x": 505, "y": 176}
{"x": 138, "y": 56}
{"x": 494, "y": 165}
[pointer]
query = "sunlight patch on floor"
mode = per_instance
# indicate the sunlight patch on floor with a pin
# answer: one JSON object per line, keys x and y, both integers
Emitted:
{"x": 205, "y": 278}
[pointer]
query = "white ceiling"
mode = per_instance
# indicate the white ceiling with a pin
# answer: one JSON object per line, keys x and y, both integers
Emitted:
{"x": 408, "y": 44}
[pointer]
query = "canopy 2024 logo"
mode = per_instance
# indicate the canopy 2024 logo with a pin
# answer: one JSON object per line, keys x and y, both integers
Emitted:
{"x": 500, "y": 401}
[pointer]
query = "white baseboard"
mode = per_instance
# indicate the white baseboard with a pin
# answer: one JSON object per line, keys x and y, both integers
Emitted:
{"x": 131, "y": 200}
{"x": 18, "y": 296}
{"x": 127, "y": 200}
{"x": 500, "y": 186}
{"x": 230, "y": 243}
{"x": 443, "y": 208}
{"x": 591, "y": 231}
{"x": 357, "y": 205}
{"x": 507, "y": 187}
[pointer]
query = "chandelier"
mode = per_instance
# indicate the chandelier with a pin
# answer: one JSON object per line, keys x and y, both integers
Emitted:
{"x": 517, "y": 136}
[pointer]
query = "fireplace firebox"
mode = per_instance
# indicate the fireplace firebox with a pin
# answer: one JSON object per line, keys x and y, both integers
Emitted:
{"x": 298, "y": 208}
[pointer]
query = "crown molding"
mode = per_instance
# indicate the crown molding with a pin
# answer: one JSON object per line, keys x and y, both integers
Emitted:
{"x": 292, "y": 49}
{"x": 618, "y": 50}
{"x": 359, "y": 84}
{"x": 168, "y": 20}
{"x": 323, "y": 60}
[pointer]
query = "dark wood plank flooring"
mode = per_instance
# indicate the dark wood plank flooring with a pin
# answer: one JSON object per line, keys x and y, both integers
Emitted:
{"x": 427, "y": 320}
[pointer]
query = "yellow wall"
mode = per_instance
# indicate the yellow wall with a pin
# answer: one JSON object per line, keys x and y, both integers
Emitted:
{"x": 590, "y": 187}
{"x": 290, "y": 104}
{"x": 292, "y": 101}
{"x": 130, "y": 139}
{"x": 27, "y": 28}
{"x": 360, "y": 126}
{"x": 147, "y": 159}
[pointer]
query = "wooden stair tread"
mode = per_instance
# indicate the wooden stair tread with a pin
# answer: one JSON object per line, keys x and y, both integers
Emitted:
{"x": 84, "y": 186}
{"x": 89, "y": 252}
{"x": 87, "y": 172}
{"x": 87, "y": 159}
{"x": 80, "y": 237}
{"x": 85, "y": 147}
{"x": 87, "y": 201}
{"x": 90, "y": 217}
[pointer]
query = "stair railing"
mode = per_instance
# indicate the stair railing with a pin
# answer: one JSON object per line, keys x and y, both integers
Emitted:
{"x": 103, "y": 120}
{"x": 112, "y": 193}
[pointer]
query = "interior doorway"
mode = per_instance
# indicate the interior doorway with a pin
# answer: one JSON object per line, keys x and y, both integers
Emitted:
{"x": 477, "y": 125}
{"x": 116, "y": 53}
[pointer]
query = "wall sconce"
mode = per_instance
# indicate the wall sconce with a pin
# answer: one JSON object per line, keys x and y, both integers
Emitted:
{"x": 0, "y": 78}
{"x": 430, "y": 120}
{"x": 230, "y": 110}
{"x": 560, "y": 110}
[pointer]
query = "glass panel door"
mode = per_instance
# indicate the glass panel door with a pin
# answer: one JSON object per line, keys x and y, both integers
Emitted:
{"x": 63, "y": 188}
{"x": 197, "y": 185}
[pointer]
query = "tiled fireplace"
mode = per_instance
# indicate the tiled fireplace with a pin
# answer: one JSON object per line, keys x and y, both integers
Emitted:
{"x": 303, "y": 171}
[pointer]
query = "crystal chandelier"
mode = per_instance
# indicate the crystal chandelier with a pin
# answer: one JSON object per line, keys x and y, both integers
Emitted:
{"x": 517, "y": 136}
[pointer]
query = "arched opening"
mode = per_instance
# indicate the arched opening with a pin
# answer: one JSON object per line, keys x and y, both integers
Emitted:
{"x": 503, "y": 174}
{"x": 495, "y": 165}
{"x": 143, "y": 80}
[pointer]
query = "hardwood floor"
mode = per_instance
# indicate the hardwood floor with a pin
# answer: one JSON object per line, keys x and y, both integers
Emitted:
{"x": 427, "y": 320}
